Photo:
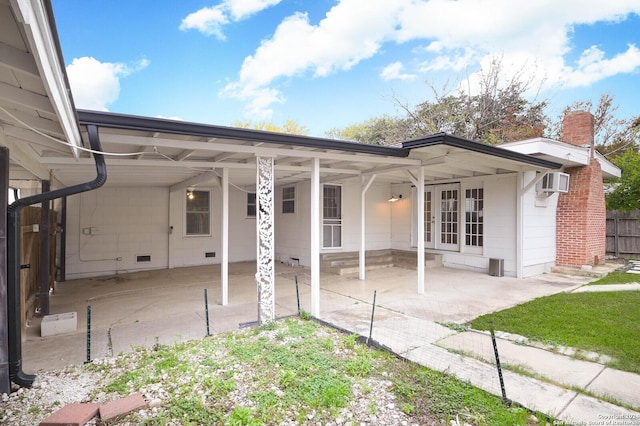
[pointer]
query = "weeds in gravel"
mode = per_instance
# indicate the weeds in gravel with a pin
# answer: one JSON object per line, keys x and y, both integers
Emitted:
{"x": 292, "y": 371}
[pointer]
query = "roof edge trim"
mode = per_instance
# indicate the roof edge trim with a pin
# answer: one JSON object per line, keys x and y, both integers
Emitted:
{"x": 482, "y": 148}
{"x": 150, "y": 124}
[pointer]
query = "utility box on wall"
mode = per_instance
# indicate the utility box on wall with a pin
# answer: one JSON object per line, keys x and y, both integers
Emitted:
{"x": 496, "y": 267}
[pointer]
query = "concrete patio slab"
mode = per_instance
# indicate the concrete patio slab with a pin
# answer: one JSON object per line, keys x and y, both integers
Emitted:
{"x": 168, "y": 305}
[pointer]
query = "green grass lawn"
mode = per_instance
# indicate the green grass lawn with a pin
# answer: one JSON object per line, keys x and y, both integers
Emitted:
{"x": 605, "y": 322}
{"x": 617, "y": 278}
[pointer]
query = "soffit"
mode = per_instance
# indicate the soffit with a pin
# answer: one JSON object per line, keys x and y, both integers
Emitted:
{"x": 28, "y": 115}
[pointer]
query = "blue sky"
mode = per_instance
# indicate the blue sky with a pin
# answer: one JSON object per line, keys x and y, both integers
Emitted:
{"x": 332, "y": 63}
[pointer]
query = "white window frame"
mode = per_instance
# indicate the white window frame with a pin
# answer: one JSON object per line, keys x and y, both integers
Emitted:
{"x": 289, "y": 199}
{"x": 471, "y": 248}
{"x": 187, "y": 212}
{"x": 254, "y": 204}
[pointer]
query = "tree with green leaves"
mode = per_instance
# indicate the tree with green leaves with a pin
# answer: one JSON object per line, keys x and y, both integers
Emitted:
{"x": 624, "y": 193}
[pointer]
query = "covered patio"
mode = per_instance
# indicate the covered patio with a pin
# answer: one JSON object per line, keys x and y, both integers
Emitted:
{"x": 145, "y": 308}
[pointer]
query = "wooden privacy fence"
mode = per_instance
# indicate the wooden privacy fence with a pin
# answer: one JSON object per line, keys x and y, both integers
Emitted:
{"x": 30, "y": 259}
{"x": 623, "y": 233}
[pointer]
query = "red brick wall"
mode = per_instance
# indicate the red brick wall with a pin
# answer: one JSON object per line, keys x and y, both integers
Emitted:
{"x": 577, "y": 128}
{"x": 581, "y": 218}
{"x": 581, "y": 214}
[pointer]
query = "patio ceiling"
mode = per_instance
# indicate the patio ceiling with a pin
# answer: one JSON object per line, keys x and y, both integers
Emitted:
{"x": 34, "y": 101}
{"x": 179, "y": 155}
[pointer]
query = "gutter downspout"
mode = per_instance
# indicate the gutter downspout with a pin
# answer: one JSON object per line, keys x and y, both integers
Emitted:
{"x": 16, "y": 374}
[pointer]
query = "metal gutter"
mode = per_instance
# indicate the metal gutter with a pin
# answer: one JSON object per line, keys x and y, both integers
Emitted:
{"x": 482, "y": 148}
{"x": 13, "y": 257}
{"x": 149, "y": 124}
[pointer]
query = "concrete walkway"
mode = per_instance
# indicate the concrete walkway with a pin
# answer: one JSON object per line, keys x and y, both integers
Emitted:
{"x": 166, "y": 306}
{"x": 470, "y": 357}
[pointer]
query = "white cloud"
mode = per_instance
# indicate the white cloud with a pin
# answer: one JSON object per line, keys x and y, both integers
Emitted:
{"x": 349, "y": 33}
{"x": 533, "y": 38}
{"x": 394, "y": 72}
{"x": 210, "y": 20}
{"x": 96, "y": 84}
{"x": 593, "y": 66}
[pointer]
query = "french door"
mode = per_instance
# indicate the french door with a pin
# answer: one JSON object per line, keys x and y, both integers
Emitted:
{"x": 447, "y": 230}
{"x": 441, "y": 217}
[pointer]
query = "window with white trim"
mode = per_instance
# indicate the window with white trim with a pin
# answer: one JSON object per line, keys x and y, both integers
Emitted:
{"x": 289, "y": 199}
{"x": 198, "y": 213}
{"x": 474, "y": 217}
{"x": 251, "y": 204}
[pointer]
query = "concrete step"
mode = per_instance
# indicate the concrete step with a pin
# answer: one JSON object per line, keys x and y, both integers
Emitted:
{"x": 348, "y": 262}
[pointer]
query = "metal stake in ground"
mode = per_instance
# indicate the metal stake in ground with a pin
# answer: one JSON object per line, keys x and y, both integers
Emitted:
{"x": 373, "y": 310}
{"x": 88, "y": 335}
{"x": 206, "y": 311}
{"x": 297, "y": 295}
{"x": 495, "y": 352}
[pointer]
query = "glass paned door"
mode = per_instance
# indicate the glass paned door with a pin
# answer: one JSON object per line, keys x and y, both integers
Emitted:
{"x": 331, "y": 216}
{"x": 429, "y": 218}
{"x": 448, "y": 206}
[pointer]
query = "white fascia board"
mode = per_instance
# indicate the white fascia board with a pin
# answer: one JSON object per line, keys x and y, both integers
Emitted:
{"x": 561, "y": 152}
{"x": 609, "y": 170}
{"x": 43, "y": 45}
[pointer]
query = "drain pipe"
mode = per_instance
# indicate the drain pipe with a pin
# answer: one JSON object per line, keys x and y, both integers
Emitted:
{"x": 16, "y": 374}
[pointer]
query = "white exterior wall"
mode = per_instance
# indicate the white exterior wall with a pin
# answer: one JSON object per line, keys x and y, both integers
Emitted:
{"x": 109, "y": 227}
{"x": 539, "y": 231}
{"x": 116, "y": 223}
{"x": 377, "y": 217}
{"x": 293, "y": 232}
{"x": 129, "y": 222}
{"x": 499, "y": 225}
{"x": 402, "y": 216}
{"x": 500, "y": 212}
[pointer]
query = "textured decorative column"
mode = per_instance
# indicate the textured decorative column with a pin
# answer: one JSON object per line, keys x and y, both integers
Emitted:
{"x": 265, "y": 235}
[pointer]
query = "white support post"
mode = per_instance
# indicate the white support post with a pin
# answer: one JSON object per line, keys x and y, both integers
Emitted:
{"x": 265, "y": 275}
{"x": 520, "y": 193}
{"x": 362, "y": 254}
{"x": 224, "y": 267}
{"x": 315, "y": 237}
{"x": 420, "y": 216}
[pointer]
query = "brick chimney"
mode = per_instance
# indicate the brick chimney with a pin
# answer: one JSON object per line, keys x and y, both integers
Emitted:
{"x": 578, "y": 128}
{"x": 581, "y": 213}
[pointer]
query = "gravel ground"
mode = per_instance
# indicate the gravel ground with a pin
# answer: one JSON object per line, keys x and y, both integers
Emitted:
{"x": 372, "y": 402}
{"x": 54, "y": 389}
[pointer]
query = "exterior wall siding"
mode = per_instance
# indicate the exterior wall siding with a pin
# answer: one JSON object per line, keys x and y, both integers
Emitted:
{"x": 539, "y": 232}
{"x": 136, "y": 221}
{"x": 107, "y": 229}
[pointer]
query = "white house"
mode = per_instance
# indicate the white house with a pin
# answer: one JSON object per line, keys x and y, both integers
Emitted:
{"x": 179, "y": 194}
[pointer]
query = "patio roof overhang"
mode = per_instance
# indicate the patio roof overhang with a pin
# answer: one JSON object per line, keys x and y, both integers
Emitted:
{"x": 178, "y": 154}
{"x": 35, "y": 100}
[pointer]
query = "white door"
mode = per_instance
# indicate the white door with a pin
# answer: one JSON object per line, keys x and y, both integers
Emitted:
{"x": 331, "y": 216}
{"x": 429, "y": 218}
{"x": 447, "y": 213}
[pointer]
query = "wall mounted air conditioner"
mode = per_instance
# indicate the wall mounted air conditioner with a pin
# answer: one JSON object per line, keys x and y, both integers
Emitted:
{"x": 553, "y": 182}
